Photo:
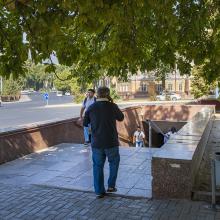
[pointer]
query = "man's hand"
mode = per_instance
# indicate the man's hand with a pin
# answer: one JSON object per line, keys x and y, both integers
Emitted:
{"x": 80, "y": 121}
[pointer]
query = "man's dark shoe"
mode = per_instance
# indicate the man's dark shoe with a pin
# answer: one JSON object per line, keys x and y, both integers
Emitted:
{"x": 86, "y": 143}
{"x": 100, "y": 196}
{"x": 111, "y": 189}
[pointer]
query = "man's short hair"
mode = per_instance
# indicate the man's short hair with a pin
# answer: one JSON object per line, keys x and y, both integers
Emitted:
{"x": 103, "y": 92}
{"x": 91, "y": 90}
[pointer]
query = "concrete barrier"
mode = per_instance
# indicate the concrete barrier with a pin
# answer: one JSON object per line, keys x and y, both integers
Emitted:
{"x": 19, "y": 141}
{"x": 176, "y": 164}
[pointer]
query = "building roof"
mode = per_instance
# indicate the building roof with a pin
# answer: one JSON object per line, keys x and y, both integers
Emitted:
{"x": 149, "y": 76}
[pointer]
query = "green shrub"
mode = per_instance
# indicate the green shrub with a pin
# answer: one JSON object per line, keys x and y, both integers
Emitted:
{"x": 153, "y": 98}
{"x": 78, "y": 98}
{"x": 114, "y": 94}
{"x": 11, "y": 87}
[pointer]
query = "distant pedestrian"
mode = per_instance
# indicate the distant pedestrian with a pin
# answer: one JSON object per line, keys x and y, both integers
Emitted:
{"x": 138, "y": 137}
{"x": 169, "y": 134}
{"x": 103, "y": 116}
{"x": 88, "y": 101}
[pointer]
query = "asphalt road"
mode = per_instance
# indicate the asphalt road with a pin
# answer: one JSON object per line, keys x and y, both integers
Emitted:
{"x": 35, "y": 110}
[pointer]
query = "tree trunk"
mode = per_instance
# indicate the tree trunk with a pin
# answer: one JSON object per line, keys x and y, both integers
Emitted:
{"x": 187, "y": 86}
{"x": 163, "y": 83}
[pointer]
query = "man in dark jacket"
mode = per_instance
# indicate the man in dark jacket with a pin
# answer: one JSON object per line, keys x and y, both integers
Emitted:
{"x": 102, "y": 115}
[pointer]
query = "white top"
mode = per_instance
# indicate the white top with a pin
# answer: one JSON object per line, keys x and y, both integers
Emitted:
{"x": 88, "y": 103}
{"x": 167, "y": 136}
{"x": 139, "y": 135}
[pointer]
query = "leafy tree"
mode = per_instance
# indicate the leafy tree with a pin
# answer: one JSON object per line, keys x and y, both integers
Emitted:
{"x": 114, "y": 95}
{"x": 200, "y": 86}
{"x": 11, "y": 87}
{"x": 63, "y": 85}
{"x": 36, "y": 76}
{"x": 118, "y": 36}
{"x": 66, "y": 82}
{"x": 161, "y": 73}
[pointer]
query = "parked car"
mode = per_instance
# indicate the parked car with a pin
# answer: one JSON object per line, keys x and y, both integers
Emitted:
{"x": 59, "y": 93}
{"x": 25, "y": 92}
{"x": 67, "y": 93}
{"x": 168, "y": 96}
{"x": 53, "y": 90}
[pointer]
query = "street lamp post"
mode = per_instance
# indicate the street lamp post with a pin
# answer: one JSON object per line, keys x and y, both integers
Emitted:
{"x": 1, "y": 82}
{"x": 175, "y": 75}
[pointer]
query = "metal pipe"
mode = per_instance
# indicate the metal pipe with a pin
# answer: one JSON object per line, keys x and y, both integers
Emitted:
{"x": 213, "y": 177}
{"x": 150, "y": 134}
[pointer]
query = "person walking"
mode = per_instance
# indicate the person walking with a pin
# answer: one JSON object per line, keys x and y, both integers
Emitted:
{"x": 89, "y": 100}
{"x": 138, "y": 137}
{"x": 103, "y": 116}
{"x": 171, "y": 132}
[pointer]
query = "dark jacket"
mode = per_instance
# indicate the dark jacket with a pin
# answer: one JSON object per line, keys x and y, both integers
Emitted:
{"x": 102, "y": 116}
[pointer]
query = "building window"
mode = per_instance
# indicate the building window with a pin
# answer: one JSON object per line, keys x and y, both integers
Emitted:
{"x": 159, "y": 88}
{"x": 126, "y": 88}
{"x": 170, "y": 87}
{"x": 180, "y": 87}
{"x": 107, "y": 82}
{"x": 143, "y": 87}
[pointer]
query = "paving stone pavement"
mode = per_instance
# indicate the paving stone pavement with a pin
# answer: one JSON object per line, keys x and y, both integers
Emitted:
{"x": 43, "y": 186}
{"x": 37, "y": 203}
{"x": 70, "y": 166}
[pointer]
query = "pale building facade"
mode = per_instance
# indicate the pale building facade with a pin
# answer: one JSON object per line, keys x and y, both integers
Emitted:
{"x": 144, "y": 85}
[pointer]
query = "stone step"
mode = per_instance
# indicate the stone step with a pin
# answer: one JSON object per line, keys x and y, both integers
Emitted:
{"x": 205, "y": 196}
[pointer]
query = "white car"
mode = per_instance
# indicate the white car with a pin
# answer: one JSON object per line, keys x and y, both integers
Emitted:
{"x": 59, "y": 93}
{"x": 168, "y": 96}
{"x": 25, "y": 92}
{"x": 67, "y": 93}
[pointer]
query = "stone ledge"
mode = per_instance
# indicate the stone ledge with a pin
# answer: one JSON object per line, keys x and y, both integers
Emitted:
{"x": 175, "y": 165}
{"x": 19, "y": 141}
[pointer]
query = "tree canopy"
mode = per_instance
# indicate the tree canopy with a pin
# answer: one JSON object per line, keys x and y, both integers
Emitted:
{"x": 116, "y": 36}
{"x": 200, "y": 86}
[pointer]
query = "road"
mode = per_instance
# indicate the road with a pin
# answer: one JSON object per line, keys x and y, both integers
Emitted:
{"x": 34, "y": 110}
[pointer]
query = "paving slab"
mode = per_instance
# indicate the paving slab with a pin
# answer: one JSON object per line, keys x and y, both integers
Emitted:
{"x": 69, "y": 166}
{"x": 38, "y": 202}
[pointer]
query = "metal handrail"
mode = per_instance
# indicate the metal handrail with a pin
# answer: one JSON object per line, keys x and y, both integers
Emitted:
{"x": 156, "y": 126}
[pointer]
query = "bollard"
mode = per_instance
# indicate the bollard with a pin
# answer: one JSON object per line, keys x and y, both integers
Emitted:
{"x": 213, "y": 182}
{"x": 150, "y": 138}
{"x": 217, "y": 169}
{"x": 215, "y": 177}
{"x": 150, "y": 135}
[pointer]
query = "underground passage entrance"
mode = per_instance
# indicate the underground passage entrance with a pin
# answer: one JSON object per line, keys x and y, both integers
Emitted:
{"x": 158, "y": 129}
{"x": 62, "y": 161}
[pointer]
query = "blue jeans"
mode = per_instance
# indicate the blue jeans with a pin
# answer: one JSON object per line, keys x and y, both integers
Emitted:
{"x": 86, "y": 133}
{"x": 98, "y": 157}
{"x": 139, "y": 143}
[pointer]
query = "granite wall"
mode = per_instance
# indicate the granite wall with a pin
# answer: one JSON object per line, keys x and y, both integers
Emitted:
{"x": 17, "y": 142}
{"x": 176, "y": 164}
{"x": 23, "y": 141}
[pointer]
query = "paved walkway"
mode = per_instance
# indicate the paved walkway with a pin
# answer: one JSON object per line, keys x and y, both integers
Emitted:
{"x": 69, "y": 166}
{"x": 57, "y": 184}
{"x": 36, "y": 203}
